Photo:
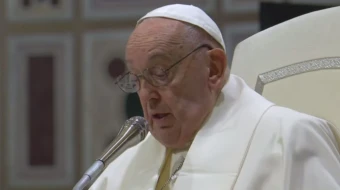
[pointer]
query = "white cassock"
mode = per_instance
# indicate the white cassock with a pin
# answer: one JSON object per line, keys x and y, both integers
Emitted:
{"x": 247, "y": 143}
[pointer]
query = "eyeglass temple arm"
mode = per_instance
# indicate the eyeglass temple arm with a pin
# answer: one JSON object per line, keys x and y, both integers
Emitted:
{"x": 203, "y": 45}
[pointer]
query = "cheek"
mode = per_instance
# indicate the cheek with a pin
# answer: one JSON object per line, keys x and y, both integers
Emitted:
{"x": 194, "y": 90}
{"x": 179, "y": 103}
{"x": 189, "y": 101}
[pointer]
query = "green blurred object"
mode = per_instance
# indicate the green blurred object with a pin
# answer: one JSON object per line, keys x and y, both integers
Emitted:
{"x": 133, "y": 106}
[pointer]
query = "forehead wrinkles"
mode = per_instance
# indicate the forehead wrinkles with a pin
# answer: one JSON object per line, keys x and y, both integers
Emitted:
{"x": 157, "y": 33}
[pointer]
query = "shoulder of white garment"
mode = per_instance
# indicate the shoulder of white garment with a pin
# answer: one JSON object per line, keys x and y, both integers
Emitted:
{"x": 100, "y": 184}
{"x": 294, "y": 127}
{"x": 291, "y": 150}
{"x": 112, "y": 170}
{"x": 301, "y": 134}
{"x": 310, "y": 157}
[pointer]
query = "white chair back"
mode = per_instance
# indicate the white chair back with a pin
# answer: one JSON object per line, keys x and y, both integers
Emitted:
{"x": 296, "y": 64}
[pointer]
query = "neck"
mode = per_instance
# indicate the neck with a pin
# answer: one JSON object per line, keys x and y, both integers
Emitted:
{"x": 184, "y": 148}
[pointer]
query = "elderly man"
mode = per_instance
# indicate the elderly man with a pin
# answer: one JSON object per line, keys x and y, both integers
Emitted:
{"x": 208, "y": 129}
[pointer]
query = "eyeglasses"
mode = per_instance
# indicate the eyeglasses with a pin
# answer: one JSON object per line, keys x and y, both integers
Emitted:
{"x": 156, "y": 75}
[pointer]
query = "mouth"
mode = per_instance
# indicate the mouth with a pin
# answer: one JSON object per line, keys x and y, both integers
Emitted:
{"x": 159, "y": 115}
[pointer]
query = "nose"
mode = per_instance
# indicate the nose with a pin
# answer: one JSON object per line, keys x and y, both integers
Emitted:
{"x": 148, "y": 92}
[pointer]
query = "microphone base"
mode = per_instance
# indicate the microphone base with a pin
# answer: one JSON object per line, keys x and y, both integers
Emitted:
{"x": 82, "y": 183}
{"x": 90, "y": 175}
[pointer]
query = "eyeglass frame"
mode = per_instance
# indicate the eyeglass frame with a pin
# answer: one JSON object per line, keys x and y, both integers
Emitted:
{"x": 165, "y": 71}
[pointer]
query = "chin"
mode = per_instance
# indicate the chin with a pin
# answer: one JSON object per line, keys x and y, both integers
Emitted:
{"x": 176, "y": 145}
{"x": 169, "y": 143}
{"x": 171, "y": 138}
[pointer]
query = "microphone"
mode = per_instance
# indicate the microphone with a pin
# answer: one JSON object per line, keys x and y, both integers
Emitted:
{"x": 131, "y": 133}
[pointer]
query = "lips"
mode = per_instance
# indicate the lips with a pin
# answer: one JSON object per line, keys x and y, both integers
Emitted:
{"x": 162, "y": 121}
{"x": 159, "y": 115}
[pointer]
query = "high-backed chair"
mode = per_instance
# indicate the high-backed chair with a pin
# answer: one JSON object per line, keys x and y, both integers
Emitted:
{"x": 296, "y": 64}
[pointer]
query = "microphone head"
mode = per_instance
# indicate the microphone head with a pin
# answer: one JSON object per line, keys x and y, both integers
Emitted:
{"x": 140, "y": 123}
{"x": 131, "y": 133}
{"x": 136, "y": 123}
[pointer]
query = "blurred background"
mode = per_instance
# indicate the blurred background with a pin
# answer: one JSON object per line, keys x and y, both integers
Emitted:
{"x": 59, "y": 107}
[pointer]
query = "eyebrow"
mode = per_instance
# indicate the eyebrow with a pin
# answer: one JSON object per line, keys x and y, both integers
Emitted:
{"x": 151, "y": 60}
{"x": 161, "y": 55}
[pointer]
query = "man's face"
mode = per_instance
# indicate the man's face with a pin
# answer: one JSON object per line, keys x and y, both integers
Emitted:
{"x": 175, "y": 111}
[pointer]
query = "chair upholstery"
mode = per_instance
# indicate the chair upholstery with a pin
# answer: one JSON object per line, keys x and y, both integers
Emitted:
{"x": 296, "y": 64}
